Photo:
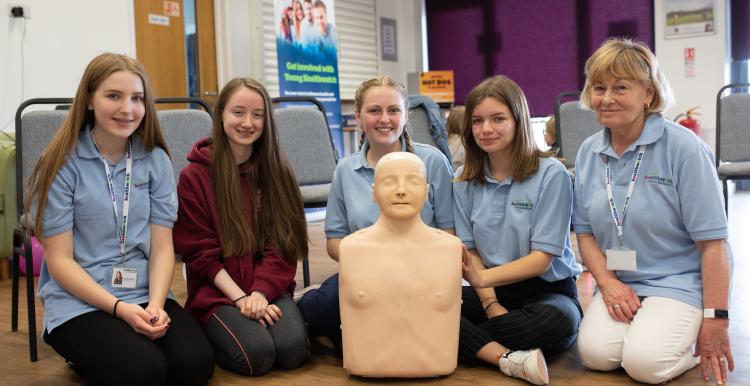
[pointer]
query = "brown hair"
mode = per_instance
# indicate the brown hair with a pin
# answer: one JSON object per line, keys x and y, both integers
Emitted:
{"x": 524, "y": 152}
{"x": 453, "y": 125}
{"x": 550, "y": 127}
{"x": 65, "y": 139}
{"x": 384, "y": 81}
{"x": 627, "y": 59}
{"x": 278, "y": 217}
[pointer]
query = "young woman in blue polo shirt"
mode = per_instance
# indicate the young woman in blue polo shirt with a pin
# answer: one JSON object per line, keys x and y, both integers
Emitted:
{"x": 381, "y": 109}
{"x": 102, "y": 199}
{"x": 512, "y": 208}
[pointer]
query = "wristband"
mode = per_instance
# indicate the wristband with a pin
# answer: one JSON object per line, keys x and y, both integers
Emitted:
{"x": 240, "y": 298}
{"x": 114, "y": 309}
{"x": 711, "y": 313}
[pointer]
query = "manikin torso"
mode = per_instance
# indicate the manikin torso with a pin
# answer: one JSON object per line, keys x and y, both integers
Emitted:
{"x": 400, "y": 283}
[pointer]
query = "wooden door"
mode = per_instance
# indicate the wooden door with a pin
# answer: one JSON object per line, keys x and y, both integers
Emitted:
{"x": 204, "y": 15}
{"x": 160, "y": 46}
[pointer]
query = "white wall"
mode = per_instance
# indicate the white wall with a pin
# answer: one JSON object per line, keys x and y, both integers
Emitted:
{"x": 60, "y": 38}
{"x": 408, "y": 15}
{"x": 238, "y": 36}
{"x": 712, "y": 69}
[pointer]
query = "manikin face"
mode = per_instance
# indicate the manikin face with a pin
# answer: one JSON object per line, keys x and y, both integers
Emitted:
{"x": 243, "y": 118}
{"x": 620, "y": 104}
{"x": 118, "y": 106}
{"x": 400, "y": 187}
{"x": 493, "y": 126}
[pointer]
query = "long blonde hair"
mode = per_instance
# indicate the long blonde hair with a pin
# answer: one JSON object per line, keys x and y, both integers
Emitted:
{"x": 384, "y": 81}
{"x": 524, "y": 153}
{"x": 278, "y": 216}
{"x": 59, "y": 149}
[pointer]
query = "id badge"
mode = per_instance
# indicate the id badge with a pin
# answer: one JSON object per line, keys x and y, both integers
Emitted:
{"x": 123, "y": 277}
{"x": 621, "y": 260}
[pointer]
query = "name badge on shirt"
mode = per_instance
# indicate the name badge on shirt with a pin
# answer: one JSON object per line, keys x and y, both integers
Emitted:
{"x": 124, "y": 277}
{"x": 621, "y": 260}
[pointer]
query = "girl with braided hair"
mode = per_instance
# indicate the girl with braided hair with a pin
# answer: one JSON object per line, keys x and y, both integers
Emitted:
{"x": 381, "y": 110}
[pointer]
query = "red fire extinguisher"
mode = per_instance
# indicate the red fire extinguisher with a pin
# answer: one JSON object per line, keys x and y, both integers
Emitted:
{"x": 690, "y": 120}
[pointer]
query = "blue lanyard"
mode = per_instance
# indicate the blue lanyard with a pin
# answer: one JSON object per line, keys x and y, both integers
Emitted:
{"x": 612, "y": 206}
{"x": 123, "y": 228}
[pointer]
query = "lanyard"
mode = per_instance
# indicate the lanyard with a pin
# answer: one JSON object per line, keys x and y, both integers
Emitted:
{"x": 612, "y": 206}
{"x": 122, "y": 233}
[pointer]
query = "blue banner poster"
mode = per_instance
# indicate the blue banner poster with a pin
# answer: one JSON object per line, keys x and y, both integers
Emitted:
{"x": 306, "y": 47}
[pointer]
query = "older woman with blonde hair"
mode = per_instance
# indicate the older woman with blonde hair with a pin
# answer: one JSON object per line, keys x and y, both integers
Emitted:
{"x": 651, "y": 228}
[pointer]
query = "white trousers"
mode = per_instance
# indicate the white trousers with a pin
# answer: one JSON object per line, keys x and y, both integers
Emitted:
{"x": 655, "y": 347}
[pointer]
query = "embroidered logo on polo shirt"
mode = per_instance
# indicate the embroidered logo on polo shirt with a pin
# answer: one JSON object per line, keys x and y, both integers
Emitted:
{"x": 521, "y": 204}
{"x": 655, "y": 178}
{"x": 141, "y": 183}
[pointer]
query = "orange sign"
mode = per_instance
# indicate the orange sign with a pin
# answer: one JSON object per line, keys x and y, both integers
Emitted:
{"x": 437, "y": 85}
{"x": 172, "y": 8}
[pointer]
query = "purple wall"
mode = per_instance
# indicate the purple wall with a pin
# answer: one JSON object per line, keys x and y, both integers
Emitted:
{"x": 540, "y": 44}
{"x": 452, "y": 37}
{"x": 740, "y": 10}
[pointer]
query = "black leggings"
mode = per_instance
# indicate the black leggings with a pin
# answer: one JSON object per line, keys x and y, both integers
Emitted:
{"x": 107, "y": 351}
{"x": 540, "y": 315}
{"x": 244, "y": 346}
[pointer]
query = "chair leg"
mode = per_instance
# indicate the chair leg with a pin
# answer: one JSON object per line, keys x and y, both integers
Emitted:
{"x": 306, "y": 272}
{"x": 726, "y": 196}
{"x": 30, "y": 298}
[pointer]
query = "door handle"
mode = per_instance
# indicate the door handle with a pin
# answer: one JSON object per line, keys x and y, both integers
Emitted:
{"x": 210, "y": 93}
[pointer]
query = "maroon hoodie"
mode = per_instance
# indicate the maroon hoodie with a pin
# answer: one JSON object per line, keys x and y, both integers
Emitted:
{"x": 196, "y": 239}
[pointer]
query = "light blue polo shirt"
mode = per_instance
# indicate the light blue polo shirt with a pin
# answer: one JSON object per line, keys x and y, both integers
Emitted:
{"x": 677, "y": 200}
{"x": 505, "y": 220}
{"x": 350, "y": 204}
{"x": 80, "y": 200}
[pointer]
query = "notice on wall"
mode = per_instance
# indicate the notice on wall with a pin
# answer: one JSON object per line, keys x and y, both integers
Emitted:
{"x": 689, "y": 57}
{"x": 686, "y": 18}
{"x": 158, "y": 19}
{"x": 437, "y": 85}
{"x": 388, "y": 40}
{"x": 172, "y": 8}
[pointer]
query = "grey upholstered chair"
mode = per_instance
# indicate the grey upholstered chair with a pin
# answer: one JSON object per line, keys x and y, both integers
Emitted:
{"x": 732, "y": 136}
{"x": 306, "y": 139}
{"x": 181, "y": 129}
{"x": 33, "y": 131}
{"x": 426, "y": 124}
{"x": 573, "y": 125}
{"x": 419, "y": 127}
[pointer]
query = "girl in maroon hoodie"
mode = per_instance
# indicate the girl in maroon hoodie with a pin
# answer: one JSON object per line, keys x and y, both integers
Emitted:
{"x": 241, "y": 229}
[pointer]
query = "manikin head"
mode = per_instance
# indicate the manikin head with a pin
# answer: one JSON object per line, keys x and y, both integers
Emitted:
{"x": 400, "y": 188}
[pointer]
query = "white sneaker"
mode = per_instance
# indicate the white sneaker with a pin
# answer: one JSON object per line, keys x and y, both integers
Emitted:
{"x": 527, "y": 365}
{"x": 301, "y": 292}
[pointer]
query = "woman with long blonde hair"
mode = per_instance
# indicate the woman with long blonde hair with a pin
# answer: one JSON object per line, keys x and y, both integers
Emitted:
{"x": 102, "y": 199}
